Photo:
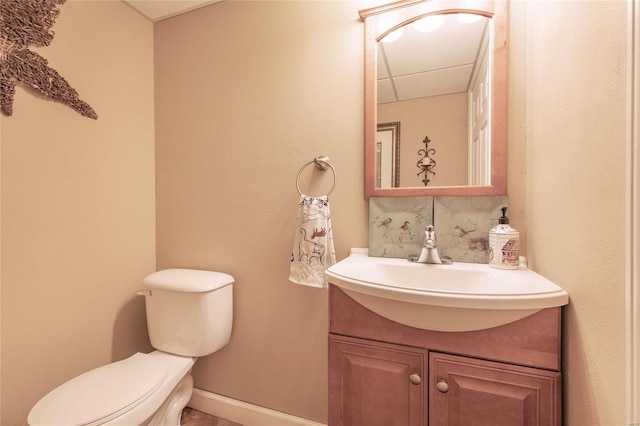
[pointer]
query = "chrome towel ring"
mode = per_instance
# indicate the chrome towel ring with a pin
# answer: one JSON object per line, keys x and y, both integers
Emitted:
{"x": 322, "y": 163}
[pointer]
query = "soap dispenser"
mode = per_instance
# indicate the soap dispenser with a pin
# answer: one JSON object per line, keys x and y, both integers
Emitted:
{"x": 504, "y": 242}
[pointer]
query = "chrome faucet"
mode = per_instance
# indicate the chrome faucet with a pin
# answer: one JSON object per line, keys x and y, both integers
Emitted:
{"x": 429, "y": 252}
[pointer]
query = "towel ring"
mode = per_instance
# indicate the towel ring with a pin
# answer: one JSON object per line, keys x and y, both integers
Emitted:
{"x": 322, "y": 163}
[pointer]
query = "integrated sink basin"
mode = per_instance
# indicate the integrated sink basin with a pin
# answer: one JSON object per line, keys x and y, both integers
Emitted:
{"x": 457, "y": 297}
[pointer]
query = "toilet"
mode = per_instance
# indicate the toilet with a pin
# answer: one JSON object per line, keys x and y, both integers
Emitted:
{"x": 189, "y": 315}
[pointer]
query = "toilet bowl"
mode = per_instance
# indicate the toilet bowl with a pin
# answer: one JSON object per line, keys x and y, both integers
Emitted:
{"x": 188, "y": 315}
{"x": 117, "y": 393}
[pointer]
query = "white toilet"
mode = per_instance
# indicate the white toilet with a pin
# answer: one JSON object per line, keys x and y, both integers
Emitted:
{"x": 189, "y": 314}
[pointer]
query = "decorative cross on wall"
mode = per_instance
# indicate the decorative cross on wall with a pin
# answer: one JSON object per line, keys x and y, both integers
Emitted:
{"x": 426, "y": 163}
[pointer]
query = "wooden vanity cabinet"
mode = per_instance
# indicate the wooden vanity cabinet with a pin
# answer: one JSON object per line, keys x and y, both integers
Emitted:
{"x": 382, "y": 373}
{"x": 377, "y": 384}
{"x": 468, "y": 391}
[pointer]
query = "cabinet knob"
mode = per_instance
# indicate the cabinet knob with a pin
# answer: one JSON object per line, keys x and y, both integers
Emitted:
{"x": 415, "y": 379}
{"x": 442, "y": 386}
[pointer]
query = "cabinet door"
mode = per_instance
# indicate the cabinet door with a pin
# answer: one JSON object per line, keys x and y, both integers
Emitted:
{"x": 375, "y": 384}
{"x": 471, "y": 392}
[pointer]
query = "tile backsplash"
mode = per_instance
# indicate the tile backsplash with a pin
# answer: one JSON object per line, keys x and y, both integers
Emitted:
{"x": 462, "y": 224}
{"x": 396, "y": 225}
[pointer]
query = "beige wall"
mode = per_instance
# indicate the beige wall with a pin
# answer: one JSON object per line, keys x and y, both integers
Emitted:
{"x": 78, "y": 207}
{"x": 444, "y": 119}
{"x": 247, "y": 92}
{"x": 573, "y": 56}
{"x": 273, "y": 84}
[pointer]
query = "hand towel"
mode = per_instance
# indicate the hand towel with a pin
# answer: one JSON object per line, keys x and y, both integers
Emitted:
{"x": 313, "y": 250}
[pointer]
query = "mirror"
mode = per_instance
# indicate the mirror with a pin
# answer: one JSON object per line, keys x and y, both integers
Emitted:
{"x": 405, "y": 85}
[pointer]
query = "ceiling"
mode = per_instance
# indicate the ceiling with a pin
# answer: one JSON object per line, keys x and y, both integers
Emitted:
{"x": 157, "y": 10}
{"x": 423, "y": 64}
{"x": 419, "y": 64}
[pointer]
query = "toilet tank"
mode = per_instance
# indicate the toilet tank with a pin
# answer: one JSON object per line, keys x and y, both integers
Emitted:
{"x": 189, "y": 312}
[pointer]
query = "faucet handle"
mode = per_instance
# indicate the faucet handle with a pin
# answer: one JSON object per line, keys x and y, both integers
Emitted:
{"x": 430, "y": 233}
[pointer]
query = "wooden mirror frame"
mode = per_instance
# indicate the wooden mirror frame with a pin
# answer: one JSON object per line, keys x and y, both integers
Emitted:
{"x": 405, "y": 12}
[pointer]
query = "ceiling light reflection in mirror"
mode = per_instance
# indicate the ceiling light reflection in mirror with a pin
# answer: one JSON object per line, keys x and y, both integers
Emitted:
{"x": 433, "y": 56}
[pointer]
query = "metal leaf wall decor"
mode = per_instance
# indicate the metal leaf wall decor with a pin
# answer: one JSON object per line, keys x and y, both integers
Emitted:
{"x": 24, "y": 23}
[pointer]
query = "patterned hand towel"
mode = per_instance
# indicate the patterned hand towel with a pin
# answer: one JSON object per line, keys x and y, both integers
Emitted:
{"x": 313, "y": 250}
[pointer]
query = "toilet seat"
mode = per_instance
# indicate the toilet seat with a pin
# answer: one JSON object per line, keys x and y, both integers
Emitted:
{"x": 102, "y": 394}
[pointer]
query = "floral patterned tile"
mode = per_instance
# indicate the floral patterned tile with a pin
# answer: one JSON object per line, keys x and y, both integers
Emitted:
{"x": 463, "y": 223}
{"x": 396, "y": 225}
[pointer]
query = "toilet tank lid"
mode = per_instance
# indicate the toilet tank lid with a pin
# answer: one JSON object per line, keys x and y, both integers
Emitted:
{"x": 187, "y": 280}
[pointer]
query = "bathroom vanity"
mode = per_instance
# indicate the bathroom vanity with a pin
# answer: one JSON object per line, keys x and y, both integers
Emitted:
{"x": 385, "y": 373}
{"x": 414, "y": 344}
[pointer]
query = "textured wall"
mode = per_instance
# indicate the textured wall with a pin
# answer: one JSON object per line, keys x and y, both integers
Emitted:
{"x": 246, "y": 93}
{"x": 575, "y": 58}
{"x": 78, "y": 208}
{"x": 444, "y": 119}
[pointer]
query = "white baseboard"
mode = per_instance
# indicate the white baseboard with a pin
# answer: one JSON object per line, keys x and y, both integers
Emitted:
{"x": 242, "y": 412}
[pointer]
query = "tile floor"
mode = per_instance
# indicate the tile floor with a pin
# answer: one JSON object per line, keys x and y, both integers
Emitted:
{"x": 191, "y": 417}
